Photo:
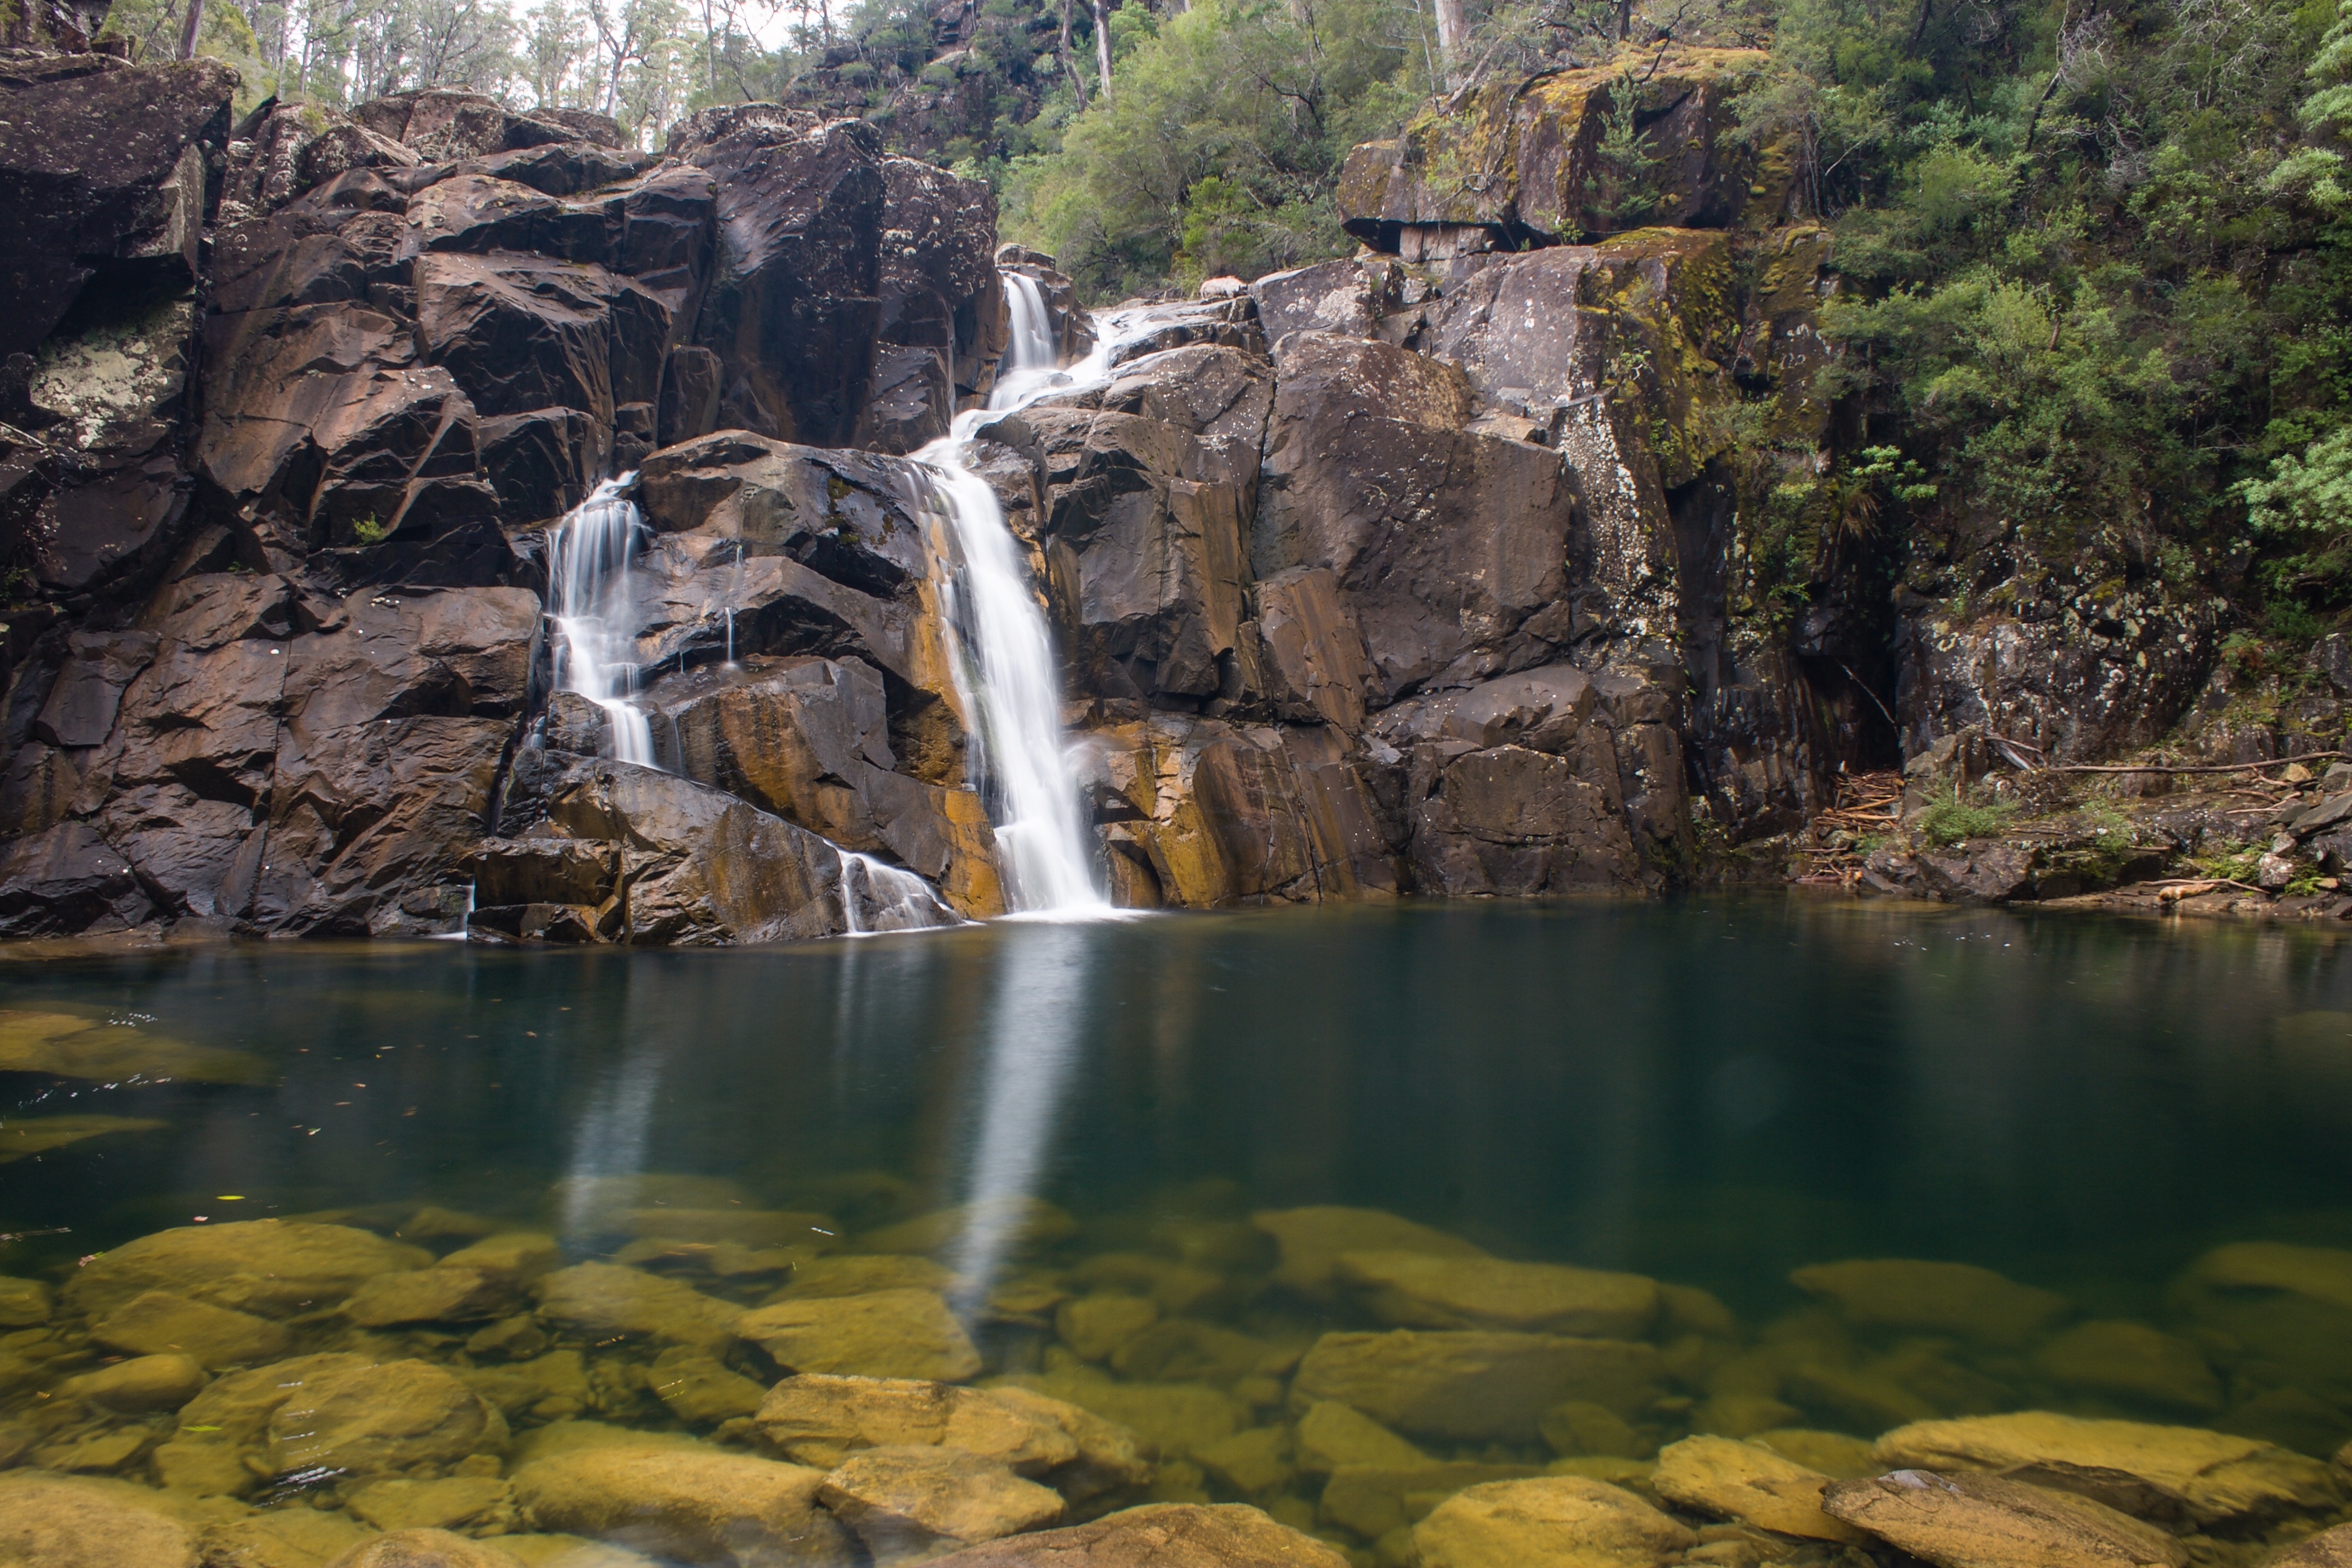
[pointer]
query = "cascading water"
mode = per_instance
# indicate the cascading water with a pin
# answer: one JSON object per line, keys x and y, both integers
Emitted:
{"x": 1001, "y": 652}
{"x": 592, "y": 602}
{"x": 877, "y": 896}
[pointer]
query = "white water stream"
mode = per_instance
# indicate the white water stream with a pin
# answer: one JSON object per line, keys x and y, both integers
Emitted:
{"x": 1001, "y": 650}
{"x": 591, "y": 598}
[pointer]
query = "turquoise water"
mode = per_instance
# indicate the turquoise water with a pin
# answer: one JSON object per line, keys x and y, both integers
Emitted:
{"x": 1715, "y": 1092}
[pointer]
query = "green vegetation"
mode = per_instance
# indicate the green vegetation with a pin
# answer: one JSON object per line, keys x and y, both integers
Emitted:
{"x": 369, "y": 531}
{"x": 1946, "y": 822}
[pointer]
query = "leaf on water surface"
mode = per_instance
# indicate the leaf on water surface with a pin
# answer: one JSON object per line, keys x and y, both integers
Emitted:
{"x": 65, "y": 1046}
{"x": 21, "y": 1140}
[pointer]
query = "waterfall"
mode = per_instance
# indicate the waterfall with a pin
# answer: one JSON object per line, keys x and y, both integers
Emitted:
{"x": 1030, "y": 362}
{"x": 1001, "y": 651}
{"x": 592, "y": 602}
{"x": 893, "y": 899}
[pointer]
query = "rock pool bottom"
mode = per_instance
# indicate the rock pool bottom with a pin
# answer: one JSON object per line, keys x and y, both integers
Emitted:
{"x": 1720, "y": 1232}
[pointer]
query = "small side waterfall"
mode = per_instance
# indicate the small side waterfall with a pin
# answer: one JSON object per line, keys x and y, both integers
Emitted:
{"x": 592, "y": 602}
{"x": 1030, "y": 362}
{"x": 877, "y": 896}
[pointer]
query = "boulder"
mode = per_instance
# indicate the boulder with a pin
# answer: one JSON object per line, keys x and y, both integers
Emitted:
{"x": 1563, "y": 1521}
{"x": 1933, "y": 1297}
{"x": 902, "y": 1333}
{"x": 159, "y": 1324}
{"x": 233, "y": 1411}
{"x": 702, "y": 867}
{"x": 794, "y": 312}
{"x": 857, "y": 1274}
{"x": 1750, "y": 1484}
{"x": 1474, "y": 1385}
{"x": 104, "y": 174}
{"x": 1330, "y": 1435}
{"x": 57, "y": 1521}
{"x": 2285, "y": 1310}
{"x": 1416, "y": 1290}
{"x": 377, "y": 1419}
{"x": 439, "y": 1295}
{"x": 595, "y": 1301}
{"x": 1446, "y": 581}
{"x": 1136, "y": 1417}
{"x": 817, "y": 1419}
{"x": 1312, "y": 1240}
{"x": 2131, "y": 1361}
{"x": 1981, "y": 1521}
{"x": 1337, "y": 297}
{"x": 2328, "y": 1549}
{"x": 693, "y": 1503}
{"x": 699, "y": 1389}
{"x": 141, "y": 1386}
{"x": 278, "y": 1267}
{"x": 281, "y": 1537}
{"x": 1094, "y": 1327}
{"x": 1160, "y": 1535}
{"x": 2213, "y": 1476}
{"x": 425, "y": 1549}
{"x": 906, "y": 1502}
{"x": 450, "y": 1503}
{"x": 1372, "y": 1499}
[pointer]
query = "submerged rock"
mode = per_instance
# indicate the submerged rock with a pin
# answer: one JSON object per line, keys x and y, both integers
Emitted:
{"x": 1417, "y": 1291}
{"x": 600, "y": 1298}
{"x": 1562, "y": 1521}
{"x": 1373, "y": 1499}
{"x": 910, "y": 1501}
{"x": 1161, "y": 1535}
{"x": 1330, "y": 1435}
{"x": 441, "y": 1294}
{"x": 456, "y": 1502}
{"x": 1312, "y": 1240}
{"x": 282, "y": 1538}
{"x": 2133, "y": 1361}
{"x": 821, "y": 1419}
{"x": 67, "y": 1046}
{"x": 1752, "y": 1485}
{"x": 884, "y": 1333}
{"x": 23, "y": 1139}
{"x": 1984, "y": 1521}
{"x": 425, "y": 1549}
{"x": 59, "y": 1522}
{"x": 1475, "y": 1384}
{"x": 141, "y": 1386}
{"x": 2328, "y": 1549}
{"x": 2213, "y": 1476}
{"x": 700, "y": 1389}
{"x": 156, "y": 1322}
{"x": 377, "y": 1419}
{"x": 276, "y": 1266}
{"x": 1939, "y": 1298}
{"x": 693, "y": 1503}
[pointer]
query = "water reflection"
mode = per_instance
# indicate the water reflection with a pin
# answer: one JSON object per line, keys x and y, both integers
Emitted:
{"x": 1036, "y": 1020}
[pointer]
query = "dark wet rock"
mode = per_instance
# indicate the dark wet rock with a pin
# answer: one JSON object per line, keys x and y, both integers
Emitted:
{"x": 519, "y": 333}
{"x": 104, "y": 174}
{"x": 1160, "y": 1535}
{"x": 942, "y": 309}
{"x": 1359, "y": 433}
{"x": 793, "y": 313}
{"x": 1149, "y": 483}
{"x": 698, "y": 866}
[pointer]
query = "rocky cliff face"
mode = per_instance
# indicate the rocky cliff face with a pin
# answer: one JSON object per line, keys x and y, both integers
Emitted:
{"x": 1401, "y": 574}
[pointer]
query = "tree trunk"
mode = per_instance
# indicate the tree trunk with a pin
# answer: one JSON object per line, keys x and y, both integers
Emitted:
{"x": 1102, "y": 44}
{"x": 1077, "y": 80}
{"x": 188, "y": 27}
{"x": 1453, "y": 34}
